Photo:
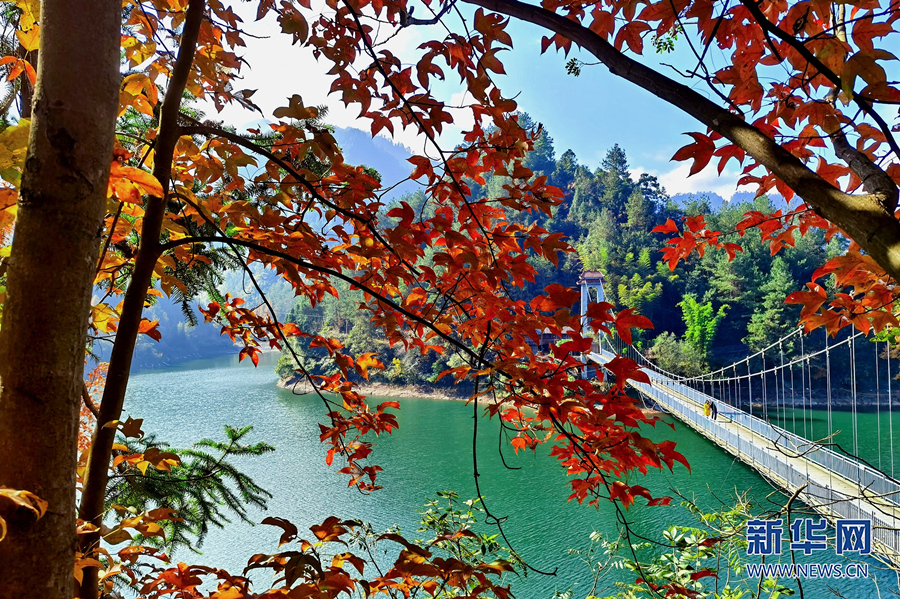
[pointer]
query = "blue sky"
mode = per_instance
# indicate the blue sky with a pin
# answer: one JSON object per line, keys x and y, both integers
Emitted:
{"x": 587, "y": 114}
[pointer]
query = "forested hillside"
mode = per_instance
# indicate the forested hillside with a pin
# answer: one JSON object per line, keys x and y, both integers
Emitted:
{"x": 608, "y": 214}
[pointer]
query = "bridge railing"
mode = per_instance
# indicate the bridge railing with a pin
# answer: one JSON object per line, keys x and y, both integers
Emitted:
{"x": 873, "y": 483}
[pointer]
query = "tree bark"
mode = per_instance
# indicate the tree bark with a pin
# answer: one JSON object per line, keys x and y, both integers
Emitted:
{"x": 868, "y": 219}
{"x": 51, "y": 269}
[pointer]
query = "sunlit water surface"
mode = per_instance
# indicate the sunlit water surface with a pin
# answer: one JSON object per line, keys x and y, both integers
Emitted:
{"x": 431, "y": 451}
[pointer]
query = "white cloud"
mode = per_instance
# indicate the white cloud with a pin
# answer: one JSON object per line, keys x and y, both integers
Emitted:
{"x": 677, "y": 180}
{"x": 277, "y": 70}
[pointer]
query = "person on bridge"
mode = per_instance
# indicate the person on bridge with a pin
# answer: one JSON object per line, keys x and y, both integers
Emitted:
{"x": 707, "y": 408}
{"x": 713, "y": 410}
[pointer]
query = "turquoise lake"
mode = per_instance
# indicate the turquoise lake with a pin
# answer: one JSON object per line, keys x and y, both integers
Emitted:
{"x": 431, "y": 451}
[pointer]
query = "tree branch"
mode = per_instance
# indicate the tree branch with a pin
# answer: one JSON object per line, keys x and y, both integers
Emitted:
{"x": 88, "y": 402}
{"x": 331, "y": 273}
{"x": 874, "y": 180}
{"x": 97, "y": 471}
{"x": 868, "y": 219}
{"x": 811, "y": 58}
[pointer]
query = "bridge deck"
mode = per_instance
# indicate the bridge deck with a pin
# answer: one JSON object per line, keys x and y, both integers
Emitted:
{"x": 834, "y": 485}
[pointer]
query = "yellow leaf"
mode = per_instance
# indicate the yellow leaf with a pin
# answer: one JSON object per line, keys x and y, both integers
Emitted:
{"x": 116, "y": 569}
{"x": 117, "y": 536}
{"x": 128, "y": 184}
{"x": 104, "y": 318}
{"x": 134, "y": 84}
{"x": 8, "y": 197}
{"x": 13, "y": 147}
{"x": 141, "y": 104}
{"x": 81, "y": 563}
{"x": 31, "y": 13}
{"x": 7, "y": 216}
{"x": 30, "y": 39}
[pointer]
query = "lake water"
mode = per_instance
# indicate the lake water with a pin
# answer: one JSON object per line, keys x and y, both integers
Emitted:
{"x": 431, "y": 451}
{"x": 875, "y": 436}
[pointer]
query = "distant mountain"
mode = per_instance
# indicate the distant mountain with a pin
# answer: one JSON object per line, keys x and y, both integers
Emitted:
{"x": 380, "y": 153}
{"x": 181, "y": 342}
{"x": 716, "y": 201}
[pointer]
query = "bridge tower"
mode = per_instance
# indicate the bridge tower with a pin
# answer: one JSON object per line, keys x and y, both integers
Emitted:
{"x": 590, "y": 281}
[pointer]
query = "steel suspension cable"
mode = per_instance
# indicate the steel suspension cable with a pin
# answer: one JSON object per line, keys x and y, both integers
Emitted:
{"x": 765, "y": 395}
{"x": 793, "y": 404}
{"x": 803, "y": 385}
{"x": 749, "y": 388}
{"x": 828, "y": 382}
{"x": 773, "y": 369}
{"x": 853, "y": 397}
{"x": 783, "y": 400}
{"x": 890, "y": 406}
{"x": 878, "y": 403}
{"x": 811, "y": 435}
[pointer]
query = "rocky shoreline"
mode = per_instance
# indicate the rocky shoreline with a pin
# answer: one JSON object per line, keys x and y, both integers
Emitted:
{"x": 391, "y": 390}
{"x": 417, "y": 392}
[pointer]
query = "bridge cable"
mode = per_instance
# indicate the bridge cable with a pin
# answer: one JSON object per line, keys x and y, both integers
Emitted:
{"x": 890, "y": 407}
{"x": 783, "y": 400}
{"x": 764, "y": 391}
{"x": 749, "y": 388}
{"x": 853, "y": 396}
{"x": 809, "y": 380}
{"x": 732, "y": 391}
{"x": 793, "y": 405}
{"x": 809, "y": 383}
{"x": 878, "y": 402}
{"x": 803, "y": 385}
{"x": 807, "y": 373}
{"x": 696, "y": 380}
{"x": 828, "y": 383}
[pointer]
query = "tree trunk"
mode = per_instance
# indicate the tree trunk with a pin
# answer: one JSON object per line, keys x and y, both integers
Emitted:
{"x": 110, "y": 409}
{"x": 54, "y": 254}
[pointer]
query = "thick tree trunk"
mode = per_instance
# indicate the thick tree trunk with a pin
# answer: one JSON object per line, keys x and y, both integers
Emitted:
{"x": 51, "y": 269}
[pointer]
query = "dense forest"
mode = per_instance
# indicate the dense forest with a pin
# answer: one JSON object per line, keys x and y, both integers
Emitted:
{"x": 706, "y": 311}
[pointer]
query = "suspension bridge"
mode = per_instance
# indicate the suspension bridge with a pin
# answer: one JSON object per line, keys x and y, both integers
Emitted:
{"x": 791, "y": 383}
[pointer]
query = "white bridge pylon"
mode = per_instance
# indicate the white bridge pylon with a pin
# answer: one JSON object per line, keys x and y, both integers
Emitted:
{"x": 591, "y": 283}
